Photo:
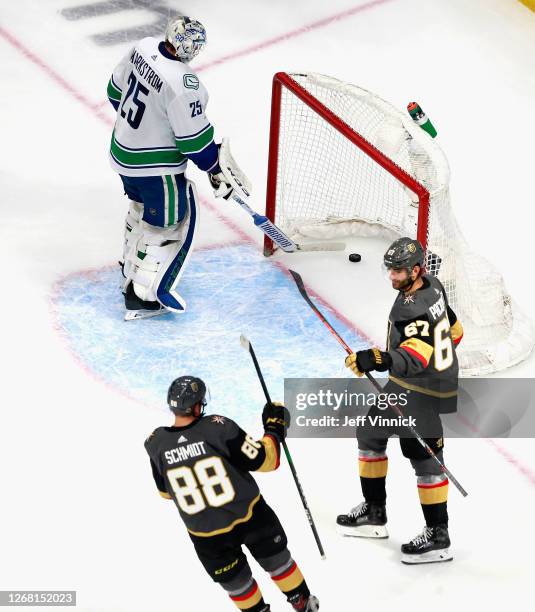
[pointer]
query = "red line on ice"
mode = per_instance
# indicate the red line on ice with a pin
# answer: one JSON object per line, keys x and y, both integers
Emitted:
{"x": 55, "y": 76}
{"x": 523, "y": 469}
{"x": 270, "y": 42}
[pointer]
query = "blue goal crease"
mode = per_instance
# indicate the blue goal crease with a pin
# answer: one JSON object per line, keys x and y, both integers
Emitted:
{"x": 229, "y": 291}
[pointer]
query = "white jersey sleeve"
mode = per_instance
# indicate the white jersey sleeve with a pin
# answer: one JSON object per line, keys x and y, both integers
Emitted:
{"x": 117, "y": 81}
{"x": 192, "y": 129}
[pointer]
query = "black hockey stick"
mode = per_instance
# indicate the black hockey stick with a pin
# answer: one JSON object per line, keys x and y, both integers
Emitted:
{"x": 299, "y": 282}
{"x": 249, "y": 347}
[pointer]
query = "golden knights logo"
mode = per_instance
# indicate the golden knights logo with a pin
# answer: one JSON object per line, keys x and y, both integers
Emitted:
{"x": 411, "y": 247}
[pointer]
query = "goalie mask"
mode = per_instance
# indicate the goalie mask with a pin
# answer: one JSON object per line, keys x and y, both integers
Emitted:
{"x": 184, "y": 392}
{"x": 187, "y": 37}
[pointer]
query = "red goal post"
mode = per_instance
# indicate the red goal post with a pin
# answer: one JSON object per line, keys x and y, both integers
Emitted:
{"x": 344, "y": 162}
{"x": 282, "y": 79}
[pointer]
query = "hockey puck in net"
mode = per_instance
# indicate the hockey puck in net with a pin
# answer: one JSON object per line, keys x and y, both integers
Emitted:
{"x": 354, "y": 257}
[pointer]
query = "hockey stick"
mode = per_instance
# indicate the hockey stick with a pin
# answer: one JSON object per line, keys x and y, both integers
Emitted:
{"x": 241, "y": 184}
{"x": 280, "y": 238}
{"x": 299, "y": 282}
{"x": 249, "y": 347}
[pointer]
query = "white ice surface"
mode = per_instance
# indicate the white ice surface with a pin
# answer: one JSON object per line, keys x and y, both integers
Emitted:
{"x": 78, "y": 503}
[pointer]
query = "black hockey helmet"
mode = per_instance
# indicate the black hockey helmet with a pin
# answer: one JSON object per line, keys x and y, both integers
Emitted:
{"x": 184, "y": 392}
{"x": 404, "y": 253}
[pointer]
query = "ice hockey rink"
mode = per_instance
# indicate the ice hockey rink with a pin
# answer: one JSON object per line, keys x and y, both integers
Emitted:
{"x": 81, "y": 389}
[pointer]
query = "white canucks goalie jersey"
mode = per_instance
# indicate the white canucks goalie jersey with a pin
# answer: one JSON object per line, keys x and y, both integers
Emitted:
{"x": 161, "y": 119}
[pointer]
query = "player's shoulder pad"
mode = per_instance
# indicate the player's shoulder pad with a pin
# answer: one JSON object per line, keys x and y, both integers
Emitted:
{"x": 190, "y": 81}
{"x": 218, "y": 421}
{"x": 153, "y": 438}
{"x": 220, "y": 427}
{"x": 435, "y": 287}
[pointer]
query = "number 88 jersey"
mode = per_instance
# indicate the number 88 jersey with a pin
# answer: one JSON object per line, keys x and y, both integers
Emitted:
{"x": 423, "y": 332}
{"x": 204, "y": 467}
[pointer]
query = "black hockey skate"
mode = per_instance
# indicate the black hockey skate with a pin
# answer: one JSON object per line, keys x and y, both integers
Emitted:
{"x": 136, "y": 308}
{"x": 430, "y": 546}
{"x": 364, "y": 521}
{"x": 303, "y": 604}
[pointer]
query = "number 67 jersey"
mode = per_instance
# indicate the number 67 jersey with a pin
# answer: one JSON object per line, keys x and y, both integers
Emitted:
{"x": 423, "y": 332}
{"x": 204, "y": 467}
{"x": 160, "y": 106}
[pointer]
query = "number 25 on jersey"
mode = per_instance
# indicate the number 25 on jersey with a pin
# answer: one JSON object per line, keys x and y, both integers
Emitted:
{"x": 134, "y": 108}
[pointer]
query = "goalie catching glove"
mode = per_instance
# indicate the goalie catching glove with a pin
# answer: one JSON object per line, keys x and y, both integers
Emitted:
{"x": 368, "y": 360}
{"x": 276, "y": 420}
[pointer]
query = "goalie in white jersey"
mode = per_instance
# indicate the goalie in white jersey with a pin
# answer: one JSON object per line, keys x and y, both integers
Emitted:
{"x": 161, "y": 124}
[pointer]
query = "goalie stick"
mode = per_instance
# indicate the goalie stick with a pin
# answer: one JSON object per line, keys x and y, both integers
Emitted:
{"x": 300, "y": 285}
{"x": 249, "y": 347}
{"x": 240, "y": 183}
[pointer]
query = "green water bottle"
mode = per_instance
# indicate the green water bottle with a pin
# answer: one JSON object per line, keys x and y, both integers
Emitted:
{"x": 419, "y": 117}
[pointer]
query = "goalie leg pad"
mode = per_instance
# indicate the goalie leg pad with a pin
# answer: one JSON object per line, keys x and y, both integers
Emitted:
{"x": 160, "y": 256}
{"x": 132, "y": 232}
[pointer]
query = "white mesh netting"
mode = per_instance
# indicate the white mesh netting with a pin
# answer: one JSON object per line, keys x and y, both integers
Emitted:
{"x": 327, "y": 187}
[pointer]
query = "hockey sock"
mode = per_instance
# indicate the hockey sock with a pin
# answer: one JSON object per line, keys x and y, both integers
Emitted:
{"x": 291, "y": 582}
{"x": 250, "y": 599}
{"x": 433, "y": 493}
{"x": 372, "y": 469}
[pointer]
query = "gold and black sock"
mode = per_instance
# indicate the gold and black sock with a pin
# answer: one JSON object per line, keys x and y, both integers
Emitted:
{"x": 373, "y": 468}
{"x": 433, "y": 493}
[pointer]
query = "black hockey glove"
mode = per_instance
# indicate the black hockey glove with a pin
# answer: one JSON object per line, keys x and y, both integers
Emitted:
{"x": 276, "y": 420}
{"x": 368, "y": 360}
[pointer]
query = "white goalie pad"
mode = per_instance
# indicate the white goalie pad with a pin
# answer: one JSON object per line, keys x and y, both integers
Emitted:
{"x": 233, "y": 174}
{"x": 157, "y": 259}
{"x": 132, "y": 233}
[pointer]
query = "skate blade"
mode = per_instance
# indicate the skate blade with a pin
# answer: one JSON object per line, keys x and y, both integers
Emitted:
{"x": 433, "y": 556}
{"x": 364, "y": 531}
{"x": 132, "y": 315}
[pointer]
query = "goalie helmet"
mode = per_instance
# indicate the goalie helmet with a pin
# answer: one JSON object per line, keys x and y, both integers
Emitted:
{"x": 184, "y": 392}
{"x": 404, "y": 253}
{"x": 186, "y": 36}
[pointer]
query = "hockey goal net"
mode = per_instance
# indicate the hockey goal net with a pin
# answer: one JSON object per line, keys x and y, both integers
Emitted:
{"x": 344, "y": 162}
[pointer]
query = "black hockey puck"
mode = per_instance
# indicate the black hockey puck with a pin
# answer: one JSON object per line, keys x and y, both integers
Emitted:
{"x": 354, "y": 257}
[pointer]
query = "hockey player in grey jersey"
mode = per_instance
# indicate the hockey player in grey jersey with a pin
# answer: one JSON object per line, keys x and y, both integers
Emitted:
{"x": 423, "y": 331}
{"x": 161, "y": 123}
{"x": 203, "y": 463}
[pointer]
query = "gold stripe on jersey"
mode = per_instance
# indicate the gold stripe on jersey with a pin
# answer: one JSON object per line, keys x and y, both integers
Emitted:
{"x": 406, "y": 385}
{"x": 165, "y": 494}
{"x": 456, "y": 332}
{"x": 271, "y": 462}
{"x": 433, "y": 494}
{"x": 373, "y": 467}
{"x": 247, "y": 517}
{"x": 421, "y": 350}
